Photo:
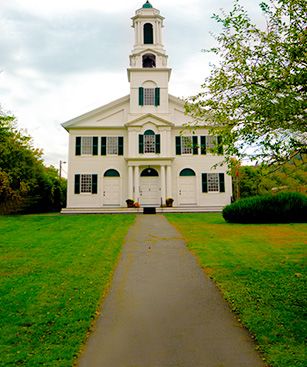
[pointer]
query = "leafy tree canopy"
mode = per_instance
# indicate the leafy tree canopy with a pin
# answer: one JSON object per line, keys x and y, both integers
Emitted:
{"x": 255, "y": 97}
{"x": 25, "y": 183}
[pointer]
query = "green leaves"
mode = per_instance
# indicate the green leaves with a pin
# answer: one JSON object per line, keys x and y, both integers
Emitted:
{"x": 256, "y": 95}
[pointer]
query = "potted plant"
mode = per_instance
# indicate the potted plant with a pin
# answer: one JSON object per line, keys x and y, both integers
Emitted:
{"x": 130, "y": 203}
{"x": 169, "y": 202}
{"x": 136, "y": 205}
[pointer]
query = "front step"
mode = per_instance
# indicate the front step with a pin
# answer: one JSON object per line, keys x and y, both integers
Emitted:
{"x": 191, "y": 209}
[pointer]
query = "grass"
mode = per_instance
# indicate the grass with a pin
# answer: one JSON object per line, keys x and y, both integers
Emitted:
{"x": 261, "y": 271}
{"x": 54, "y": 271}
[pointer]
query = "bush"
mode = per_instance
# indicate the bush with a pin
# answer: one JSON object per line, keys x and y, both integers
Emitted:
{"x": 282, "y": 208}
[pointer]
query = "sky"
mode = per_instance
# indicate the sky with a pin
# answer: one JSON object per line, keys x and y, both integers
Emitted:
{"x": 62, "y": 58}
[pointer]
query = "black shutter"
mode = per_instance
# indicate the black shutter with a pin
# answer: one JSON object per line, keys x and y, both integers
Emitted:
{"x": 203, "y": 149}
{"x": 78, "y": 145}
{"x": 94, "y": 184}
{"x": 95, "y": 145}
{"x": 77, "y": 184}
{"x": 120, "y": 145}
{"x": 204, "y": 181}
{"x": 219, "y": 145}
{"x": 141, "y": 144}
{"x": 195, "y": 145}
{"x": 141, "y": 96}
{"x": 178, "y": 145}
{"x": 157, "y": 96}
{"x": 222, "y": 182}
{"x": 158, "y": 143}
{"x": 103, "y": 145}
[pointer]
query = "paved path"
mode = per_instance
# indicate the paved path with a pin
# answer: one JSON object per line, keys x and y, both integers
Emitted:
{"x": 162, "y": 311}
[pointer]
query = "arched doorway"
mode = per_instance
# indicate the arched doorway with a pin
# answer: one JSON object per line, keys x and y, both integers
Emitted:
{"x": 187, "y": 187}
{"x": 150, "y": 187}
{"x": 111, "y": 188}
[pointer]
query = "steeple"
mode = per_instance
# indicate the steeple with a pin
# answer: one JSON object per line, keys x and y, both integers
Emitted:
{"x": 148, "y": 73}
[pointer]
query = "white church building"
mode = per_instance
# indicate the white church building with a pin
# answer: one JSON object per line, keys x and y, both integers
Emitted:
{"x": 137, "y": 147}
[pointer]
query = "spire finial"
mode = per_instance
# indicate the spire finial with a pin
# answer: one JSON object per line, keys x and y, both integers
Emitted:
{"x": 147, "y": 5}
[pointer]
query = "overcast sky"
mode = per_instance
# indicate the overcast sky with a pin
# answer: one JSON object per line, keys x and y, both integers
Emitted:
{"x": 62, "y": 58}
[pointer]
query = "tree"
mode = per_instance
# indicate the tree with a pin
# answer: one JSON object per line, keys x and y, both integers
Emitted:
{"x": 255, "y": 98}
{"x": 25, "y": 183}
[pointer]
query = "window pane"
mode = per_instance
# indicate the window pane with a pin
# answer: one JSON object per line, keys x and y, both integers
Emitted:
{"x": 149, "y": 143}
{"x": 186, "y": 145}
{"x": 86, "y": 183}
{"x": 112, "y": 145}
{"x": 213, "y": 182}
{"x": 149, "y": 96}
{"x": 211, "y": 142}
{"x": 87, "y": 145}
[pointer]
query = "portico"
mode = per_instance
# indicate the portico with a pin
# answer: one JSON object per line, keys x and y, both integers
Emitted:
{"x": 150, "y": 181}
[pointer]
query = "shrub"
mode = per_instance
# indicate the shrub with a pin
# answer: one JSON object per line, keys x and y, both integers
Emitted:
{"x": 281, "y": 208}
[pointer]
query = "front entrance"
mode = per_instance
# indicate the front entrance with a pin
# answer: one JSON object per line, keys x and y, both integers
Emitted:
{"x": 111, "y": 188}
{"x": 187, "y": 187}
{"x": 150, "y": 188}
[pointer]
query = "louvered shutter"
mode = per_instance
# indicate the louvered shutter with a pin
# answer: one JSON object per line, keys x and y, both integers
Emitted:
{"x": 178, "y": 145}
{"x": 120, "y": 145}
{"x": 158, "y": 143}
{"x": 77, "y": 184}
{"x": 222, "y": 182}
{"x": 157, "y": 96}
{"x": 141, "y": 96}
{"x": 78, "y": 145}
{"x": 195, "y": 145}
{"x": 95, "y": 145}
{"x": 220, "y": 149}
{"x": 203, "y": 148}
{"x": 103, "y": 145}
{"x": 141, "y": 144}
{"x": 204, "y": 178}
{"x": 94, "y": 184}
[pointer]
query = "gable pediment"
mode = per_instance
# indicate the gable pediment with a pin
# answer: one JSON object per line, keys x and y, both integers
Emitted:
{"x": 109, "y": 114}
{"x": 149, "y": 118}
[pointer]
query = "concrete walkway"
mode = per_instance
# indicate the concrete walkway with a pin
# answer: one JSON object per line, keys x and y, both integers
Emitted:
{"x": 162, "y": 311}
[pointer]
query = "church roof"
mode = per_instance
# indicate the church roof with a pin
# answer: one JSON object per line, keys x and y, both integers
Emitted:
{"x": 147, "y": 5}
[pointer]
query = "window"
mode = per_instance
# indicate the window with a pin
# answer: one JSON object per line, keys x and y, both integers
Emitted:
{"x": 148, "y": 33}
{"x": 213, "y": 182}
{"x": 86, "y": 145}
{"x": 149, "y": 142}
{"x": 149, "y": 96}
{"x": 111, "y": 173}
{"x": 112, "y": 145}
{"x": 187, "y": 172}
{"x": 186, "y": 145}
{"x": 86, "y": 184}
{"x": 211, "y": 144}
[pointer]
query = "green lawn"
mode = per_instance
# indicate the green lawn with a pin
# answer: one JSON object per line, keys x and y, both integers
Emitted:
{"x": 261, "y": 271}
{"x": 54, "y": 271}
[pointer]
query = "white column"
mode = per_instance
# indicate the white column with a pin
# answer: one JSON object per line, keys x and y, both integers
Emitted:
{"x": 163, "y": 184}
{"x": 140, "y": 33}
{"x": 169, "y": 182}
{"x": 136, "y": 183}
{"x": 130, "y": 182}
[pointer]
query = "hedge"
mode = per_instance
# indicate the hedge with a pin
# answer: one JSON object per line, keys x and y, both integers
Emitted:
{"x": 288, "y": 207}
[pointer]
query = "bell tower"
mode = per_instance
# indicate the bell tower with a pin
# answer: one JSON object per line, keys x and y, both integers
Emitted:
{"x": 148, "y": 73}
